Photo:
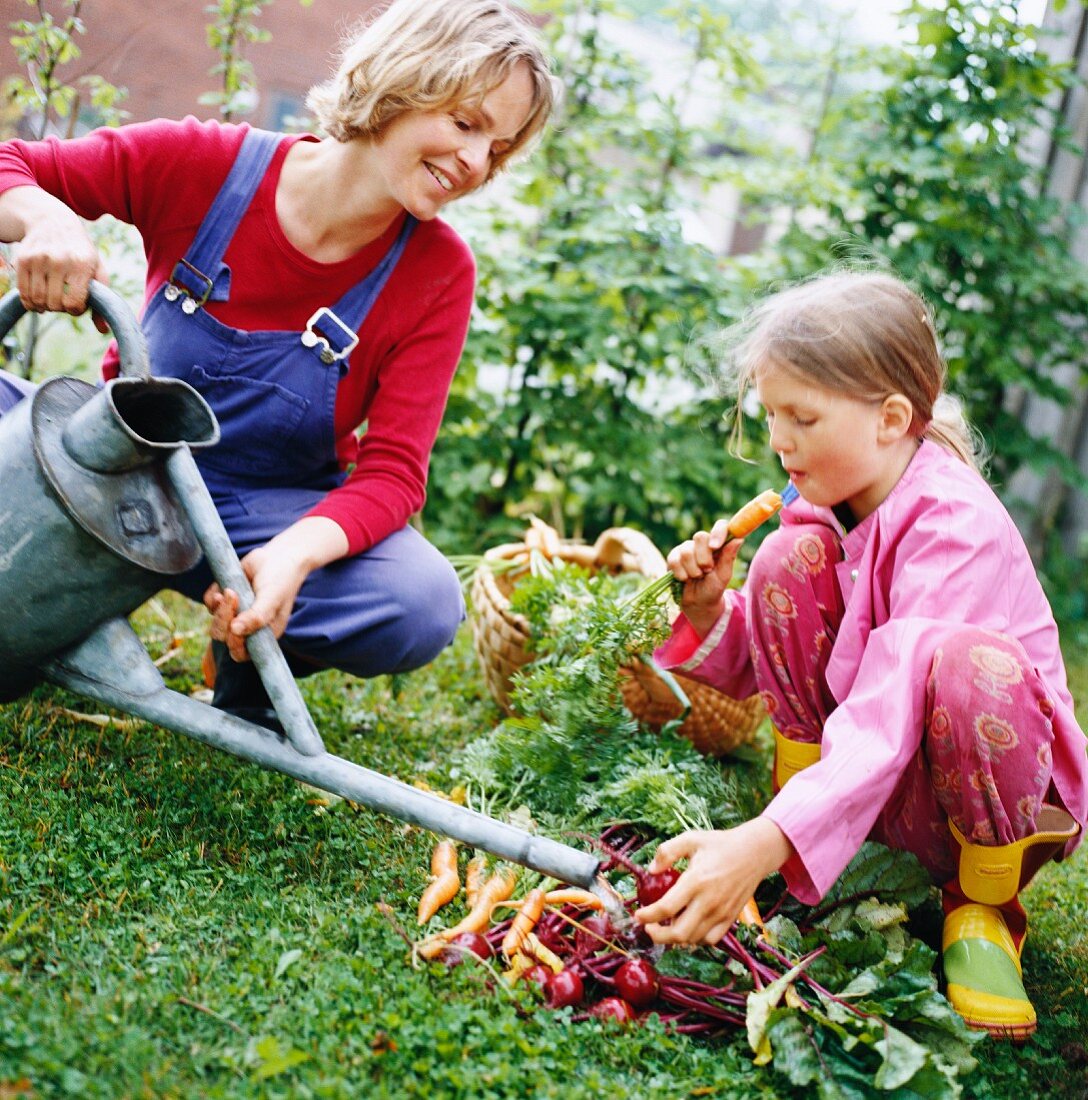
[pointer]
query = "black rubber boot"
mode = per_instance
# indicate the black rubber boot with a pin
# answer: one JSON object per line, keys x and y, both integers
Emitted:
{"x": 238, "y": 690}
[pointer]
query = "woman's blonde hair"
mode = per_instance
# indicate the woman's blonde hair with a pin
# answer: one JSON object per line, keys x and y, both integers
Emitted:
{"x": 427, "y": 55}
{"x": 863, "y": 334}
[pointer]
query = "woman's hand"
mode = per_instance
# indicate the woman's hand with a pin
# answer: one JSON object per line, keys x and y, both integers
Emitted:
{"x": 56, "y": 259}
{"x": 705, "y": 564}
{"x": 724, "y": 869}
{"x": 276, "y": 572}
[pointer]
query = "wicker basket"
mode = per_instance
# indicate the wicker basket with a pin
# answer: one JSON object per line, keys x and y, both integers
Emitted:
{"x": 715, "y": 723}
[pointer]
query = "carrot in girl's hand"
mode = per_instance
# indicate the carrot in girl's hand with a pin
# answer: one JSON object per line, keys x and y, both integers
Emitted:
{"x": 445, "y": 881}
{"x": 524, "y": 922}
{"x": 755, "y": 512}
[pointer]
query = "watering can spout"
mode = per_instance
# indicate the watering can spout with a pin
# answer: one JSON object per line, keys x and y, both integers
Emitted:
{"x": 112, "y": 667}
{"x": 101, "y": 501}
{"x": 132, "y": 422}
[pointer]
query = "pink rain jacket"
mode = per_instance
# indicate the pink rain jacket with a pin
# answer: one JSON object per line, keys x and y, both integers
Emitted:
{"x": 939, "y": 552}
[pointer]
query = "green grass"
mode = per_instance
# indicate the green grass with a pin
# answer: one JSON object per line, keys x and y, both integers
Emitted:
{"x": 178, "y": 923}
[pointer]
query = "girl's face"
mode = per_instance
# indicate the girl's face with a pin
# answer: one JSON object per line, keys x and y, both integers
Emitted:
{"x": 429, "y": 158}
{"x": 836, "y": 449}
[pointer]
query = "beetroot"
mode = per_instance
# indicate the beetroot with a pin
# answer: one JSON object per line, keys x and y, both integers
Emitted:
{"x": 474, "y": 942}
{"x": 537, "y": 975}
{"x": 613, "y": 1008}
{"x": 595, "y": 930}
{"x": 564, "y": 989}
{"x": 653, "y": 885}
{"x": 637, "y": 982}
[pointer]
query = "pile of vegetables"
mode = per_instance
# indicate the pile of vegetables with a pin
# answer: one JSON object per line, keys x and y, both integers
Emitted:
{"x": 841, "y": 1000}
{"x": 561, "y": 942}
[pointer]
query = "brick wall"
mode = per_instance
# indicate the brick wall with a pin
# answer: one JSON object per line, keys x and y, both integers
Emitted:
{"x": 158, "y": 49}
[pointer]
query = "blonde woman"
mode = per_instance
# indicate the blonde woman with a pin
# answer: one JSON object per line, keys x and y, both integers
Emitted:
{"x": 901, "y": 642}
{"x": 307, "y": 286}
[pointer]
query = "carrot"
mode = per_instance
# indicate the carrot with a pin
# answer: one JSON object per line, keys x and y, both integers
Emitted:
{"x": 474, "y": 877}
{"x": 571, "y": 895}
{"x": 755, "y": 512}
{"x": 543, "y": 955}
{"x": 749, "y": 915}
{"x": 497, "y": 888}
{"x": 445, "y": 881}
{"x": 524, "y": 922}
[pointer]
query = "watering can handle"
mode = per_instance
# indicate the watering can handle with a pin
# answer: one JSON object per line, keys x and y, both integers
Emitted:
{"x": 109, "y": 305}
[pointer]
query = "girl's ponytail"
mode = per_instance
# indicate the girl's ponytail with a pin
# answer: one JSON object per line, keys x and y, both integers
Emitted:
{"x": 949, "y": 428}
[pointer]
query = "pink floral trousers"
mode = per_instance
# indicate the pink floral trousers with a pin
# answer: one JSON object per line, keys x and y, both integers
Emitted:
{"x": 985, "y": 757}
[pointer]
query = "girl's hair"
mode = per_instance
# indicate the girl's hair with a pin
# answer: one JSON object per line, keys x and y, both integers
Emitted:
{"x": 863, "y": 334}
{"x": 427, "y": 55}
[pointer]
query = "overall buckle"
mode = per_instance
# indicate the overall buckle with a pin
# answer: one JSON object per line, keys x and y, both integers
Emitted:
{"x": 313, "y": 338}
{"x": 183, "y": 273}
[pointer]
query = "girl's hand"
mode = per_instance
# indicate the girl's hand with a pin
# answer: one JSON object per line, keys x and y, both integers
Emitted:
{"x": 276, "y": 572}
{"x": 705, "y": 564}
{"x": 724, "y": 869}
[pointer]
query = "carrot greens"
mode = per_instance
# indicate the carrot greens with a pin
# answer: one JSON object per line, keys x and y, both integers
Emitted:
{"x": 840, "y": 1000}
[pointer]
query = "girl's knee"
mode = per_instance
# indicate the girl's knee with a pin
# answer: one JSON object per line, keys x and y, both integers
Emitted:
{"x": 974, "y": 661}
{"x": 794, "y": 552}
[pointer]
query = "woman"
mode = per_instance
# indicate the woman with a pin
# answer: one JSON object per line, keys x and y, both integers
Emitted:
{"x": 306, "y": 288}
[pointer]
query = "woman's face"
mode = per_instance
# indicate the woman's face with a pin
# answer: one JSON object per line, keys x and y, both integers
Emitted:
{"x": 835, "y": 449}
{"x": 429, "y": 158}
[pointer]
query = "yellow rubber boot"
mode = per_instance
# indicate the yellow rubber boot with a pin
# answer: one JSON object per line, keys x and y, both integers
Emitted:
{"x": 791, "y": 757}
{"x": 984, "y": 936}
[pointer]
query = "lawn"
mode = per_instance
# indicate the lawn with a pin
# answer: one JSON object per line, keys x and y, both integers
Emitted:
{"x": 178, "y": 923}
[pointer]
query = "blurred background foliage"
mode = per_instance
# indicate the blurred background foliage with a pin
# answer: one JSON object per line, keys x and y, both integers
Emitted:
{"x": 588, "y": 393}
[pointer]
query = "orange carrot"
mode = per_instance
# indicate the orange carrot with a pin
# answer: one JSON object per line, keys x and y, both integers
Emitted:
{"x": 497, "y": 888}
{"x": 474, "y": 877}
{"x": 755, "y": 512}
{"x": 571, "y": 895}
{"x": 445, "y": 882}
{"x": 749, "y": 915}
{"x": 524, "y": 922}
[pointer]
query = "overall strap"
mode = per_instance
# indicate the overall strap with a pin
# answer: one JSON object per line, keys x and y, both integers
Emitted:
{"x": 202, "y": 275}
{"x": 327, "y": 330}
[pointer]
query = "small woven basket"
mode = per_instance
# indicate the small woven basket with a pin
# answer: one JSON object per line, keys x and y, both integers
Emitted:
{"x": 715, "y": 723}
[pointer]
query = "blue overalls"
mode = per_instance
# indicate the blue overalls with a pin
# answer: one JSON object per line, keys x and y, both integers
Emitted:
{"x": 389, "y": 609}
{"x": 12, "y": 390}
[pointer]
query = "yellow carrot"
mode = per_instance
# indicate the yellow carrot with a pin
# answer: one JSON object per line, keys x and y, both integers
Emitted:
{"x": 445, "y": 882}
{"x": 543, "y": 955}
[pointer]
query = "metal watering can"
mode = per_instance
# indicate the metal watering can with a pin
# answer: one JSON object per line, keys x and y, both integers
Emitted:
{"x": 100, "y": 500}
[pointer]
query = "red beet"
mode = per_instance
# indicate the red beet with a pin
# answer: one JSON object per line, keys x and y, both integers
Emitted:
{"x": 564, "y": 988}
{"x": 613, "y": 1008}
{"x": 637, "y": 982}
{"x": 537, "y": 975}
{"x": 655, "y": 884}
{"x": 474, "y": 942}
{"x": 595, "y": 930}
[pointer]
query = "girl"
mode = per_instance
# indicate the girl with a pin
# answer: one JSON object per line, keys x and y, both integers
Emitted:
{"x": 899, "y": 637}
{"x": 306, "y": 287}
